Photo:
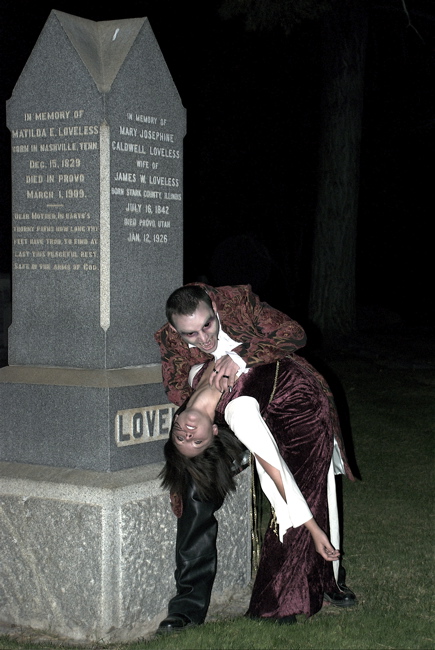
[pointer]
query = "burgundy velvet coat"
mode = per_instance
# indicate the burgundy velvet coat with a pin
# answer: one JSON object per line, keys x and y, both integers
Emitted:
{"x": 265, "y": 335}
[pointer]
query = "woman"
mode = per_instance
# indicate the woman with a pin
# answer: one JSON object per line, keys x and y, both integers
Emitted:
{"x": 295, "y": 567}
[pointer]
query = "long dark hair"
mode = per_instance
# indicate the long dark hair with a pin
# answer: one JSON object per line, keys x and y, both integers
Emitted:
{"x": 212, "y": 471}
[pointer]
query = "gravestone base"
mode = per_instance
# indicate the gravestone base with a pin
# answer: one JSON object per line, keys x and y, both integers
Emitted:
{"x": 102, "y": 420}
{"x": 90, "y": 556}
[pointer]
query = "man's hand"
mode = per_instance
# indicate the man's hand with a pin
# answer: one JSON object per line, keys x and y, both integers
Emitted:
{"x": 224, "y": 374}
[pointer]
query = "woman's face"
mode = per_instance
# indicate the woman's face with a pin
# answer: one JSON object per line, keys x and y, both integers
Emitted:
{"x": 192, "y": 432}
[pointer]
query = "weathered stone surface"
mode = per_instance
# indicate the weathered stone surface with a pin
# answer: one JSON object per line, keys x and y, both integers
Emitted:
{"x": 90, "y": 555}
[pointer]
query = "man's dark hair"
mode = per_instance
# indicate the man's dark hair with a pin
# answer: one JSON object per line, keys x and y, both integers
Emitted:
{"x": 212, "y": 471}
{"x": 185, "y": 301}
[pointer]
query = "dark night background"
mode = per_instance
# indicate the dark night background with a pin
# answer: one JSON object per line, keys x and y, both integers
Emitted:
{"x": 252, "y": 102}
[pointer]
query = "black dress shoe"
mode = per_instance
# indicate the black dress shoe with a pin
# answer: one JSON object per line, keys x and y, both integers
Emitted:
{"x": 345, "y": 588}
{"x": 342, "y": 598}
{"x": 174, "y": 623}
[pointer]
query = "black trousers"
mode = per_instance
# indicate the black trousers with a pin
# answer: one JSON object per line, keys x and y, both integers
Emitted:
{"x": 195, "y": 557}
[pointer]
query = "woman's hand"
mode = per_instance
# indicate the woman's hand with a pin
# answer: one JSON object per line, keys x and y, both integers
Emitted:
{"x": 321, "y": 542}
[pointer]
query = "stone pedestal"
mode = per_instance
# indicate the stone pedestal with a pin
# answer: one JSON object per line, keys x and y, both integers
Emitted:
{"x": 80, "y": 418}
{"x": 89, "y": 556}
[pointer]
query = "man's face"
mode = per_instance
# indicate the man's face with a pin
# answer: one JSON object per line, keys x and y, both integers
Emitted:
{"x": 200, "y": 329}
{"x": 193, "y": 432}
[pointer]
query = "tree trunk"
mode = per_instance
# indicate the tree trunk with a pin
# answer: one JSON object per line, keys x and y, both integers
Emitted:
{"x": 332, "y": 303}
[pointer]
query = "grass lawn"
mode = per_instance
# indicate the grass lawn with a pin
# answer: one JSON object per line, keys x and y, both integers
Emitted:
{"x": 388, "y": 530}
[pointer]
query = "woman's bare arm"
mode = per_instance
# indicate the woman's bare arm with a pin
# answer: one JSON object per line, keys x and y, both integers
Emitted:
{"x": 320, "y": 539}
{"x": 274, "y": 474}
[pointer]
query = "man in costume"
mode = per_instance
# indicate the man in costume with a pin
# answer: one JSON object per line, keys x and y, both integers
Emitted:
{"x": 233, "y": 327}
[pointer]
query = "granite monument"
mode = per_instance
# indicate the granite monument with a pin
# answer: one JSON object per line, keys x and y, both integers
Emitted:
{"x": 87, "y": 533}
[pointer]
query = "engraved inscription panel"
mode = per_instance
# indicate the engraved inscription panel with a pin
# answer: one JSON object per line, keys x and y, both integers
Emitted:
{"x": 146, "y": 185}
{"x": 147, "y": 424}
{"x": 53, "y": 226}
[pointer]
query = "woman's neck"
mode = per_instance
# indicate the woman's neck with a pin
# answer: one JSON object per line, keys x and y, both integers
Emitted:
{"x": 205, "y": 397}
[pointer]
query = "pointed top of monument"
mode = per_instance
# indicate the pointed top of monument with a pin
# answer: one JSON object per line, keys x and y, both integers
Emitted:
{"x": 102, "y": 46}
{"x": 116, "y": 53}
